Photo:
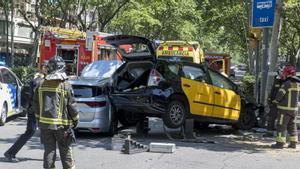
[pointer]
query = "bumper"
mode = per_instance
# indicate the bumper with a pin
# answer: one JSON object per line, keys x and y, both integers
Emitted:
{"x": 94, "y": 126}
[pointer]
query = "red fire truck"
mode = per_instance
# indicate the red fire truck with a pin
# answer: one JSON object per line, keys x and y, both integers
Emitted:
{"x": 77, "y": 48}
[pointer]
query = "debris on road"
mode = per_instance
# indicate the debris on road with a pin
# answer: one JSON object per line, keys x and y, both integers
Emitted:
{"x": 162, "y": 147}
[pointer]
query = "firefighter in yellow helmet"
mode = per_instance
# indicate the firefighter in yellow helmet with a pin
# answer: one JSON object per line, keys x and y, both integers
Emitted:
{"x": 56, "y": 113}
{"x": 287, "y": 104}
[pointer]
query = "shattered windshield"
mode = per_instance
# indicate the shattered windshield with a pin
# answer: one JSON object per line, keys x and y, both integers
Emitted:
{"x": 100, "y": 69}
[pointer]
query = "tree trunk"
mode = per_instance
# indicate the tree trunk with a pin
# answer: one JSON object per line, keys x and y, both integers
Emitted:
{"x": 274, "y": 46}
{"x": 12, "y": 32}
{"x": 7, "y": 58}
{"x": 35, "y": 48}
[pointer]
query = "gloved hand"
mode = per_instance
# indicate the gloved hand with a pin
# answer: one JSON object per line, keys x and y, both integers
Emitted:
{"x": 75, "y": 124}
{"x": 70, "y": 133}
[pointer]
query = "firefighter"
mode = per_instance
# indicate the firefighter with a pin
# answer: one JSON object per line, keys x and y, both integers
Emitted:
{"x": 56, "y": 113}
{"x": 272, "y": 115}
{"x": 287, "y": 104}
{"x": 10, "y": 154}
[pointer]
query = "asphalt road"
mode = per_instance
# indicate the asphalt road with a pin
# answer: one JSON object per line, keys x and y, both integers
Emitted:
{"x": 231, "y": 150}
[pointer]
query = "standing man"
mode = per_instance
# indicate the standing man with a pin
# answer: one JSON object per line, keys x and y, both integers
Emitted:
{"x": 272, "y": 115}
{"x": 287, "y": 104}
{"x": 56, "y": 113}
{"x": 10, "y": 154}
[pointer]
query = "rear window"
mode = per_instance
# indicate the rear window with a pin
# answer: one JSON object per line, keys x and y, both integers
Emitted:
{"x": 86, "y": 91}
{"x": 168, "y": 71}
{"x": 176, "y": 58}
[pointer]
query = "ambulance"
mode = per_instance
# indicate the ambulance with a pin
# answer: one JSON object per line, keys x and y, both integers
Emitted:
{"x": 213, "y": 60}
{"x": 180, "y": 51}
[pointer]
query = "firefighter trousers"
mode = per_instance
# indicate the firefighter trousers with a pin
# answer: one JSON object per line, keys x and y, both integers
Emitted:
{"x": 272, "y": 117}
{"x": 286, "y": 122}
{"x": 21, "y": 141}
{"x": 51, "y": 138}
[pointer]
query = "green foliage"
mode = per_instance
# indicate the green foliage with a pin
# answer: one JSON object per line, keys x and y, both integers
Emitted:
{"x": 24, "y": 72}
{"x": 247, "y": 86}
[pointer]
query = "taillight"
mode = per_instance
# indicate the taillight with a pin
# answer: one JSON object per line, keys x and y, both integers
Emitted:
{"x": 95, "y": 104}
{"x": 154, "y": 78}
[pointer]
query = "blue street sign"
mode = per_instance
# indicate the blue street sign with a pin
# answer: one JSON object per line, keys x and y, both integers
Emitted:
{"x": 263, "y": 12}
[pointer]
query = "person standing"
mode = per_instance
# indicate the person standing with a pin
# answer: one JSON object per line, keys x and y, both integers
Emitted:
{"x": 287, "y": 104}
{"x": 10, "y": 154}
{"x": 57, "y": 114}
{"x": 272, "y": 115}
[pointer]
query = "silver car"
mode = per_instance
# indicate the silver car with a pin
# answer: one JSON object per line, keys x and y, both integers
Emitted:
{"x": 95, "y": 109}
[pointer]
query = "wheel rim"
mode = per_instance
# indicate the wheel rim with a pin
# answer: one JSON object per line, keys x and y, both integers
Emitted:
{"x": 176, "y": 114}
{"x": 3, "y": 114}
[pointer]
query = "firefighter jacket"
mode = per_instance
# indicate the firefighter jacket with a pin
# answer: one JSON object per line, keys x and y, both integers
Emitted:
{"x": 275, "y": 88}
{"x": 34, "y": 84}
{"x": 55, "y": 106}
{"x": 287, "y": 96}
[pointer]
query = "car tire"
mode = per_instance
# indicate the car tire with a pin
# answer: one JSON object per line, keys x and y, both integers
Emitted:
{"x": 247, "y": 119}
{"x": 127, "y": 119}
{"x": 3, "y": 115}
{"x": 175, "y": 115}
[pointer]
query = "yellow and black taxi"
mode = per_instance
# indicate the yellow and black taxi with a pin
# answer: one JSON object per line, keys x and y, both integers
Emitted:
{"x": 146, "y": 86}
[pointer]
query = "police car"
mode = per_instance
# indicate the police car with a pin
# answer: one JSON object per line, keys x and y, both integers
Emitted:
{"x": 10, "y": 94}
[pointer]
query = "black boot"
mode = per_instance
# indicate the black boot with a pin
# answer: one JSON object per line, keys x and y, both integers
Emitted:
{"x": 292, "y": 144}
{"x": 10, "y": 158}
{"x": 278, "y": 145}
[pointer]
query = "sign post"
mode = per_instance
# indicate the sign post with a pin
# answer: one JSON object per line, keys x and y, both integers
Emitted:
{"x": 263, "y": 12}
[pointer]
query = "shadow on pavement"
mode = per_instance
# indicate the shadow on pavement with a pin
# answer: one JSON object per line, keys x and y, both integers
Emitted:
{"x": 20, "y": 159}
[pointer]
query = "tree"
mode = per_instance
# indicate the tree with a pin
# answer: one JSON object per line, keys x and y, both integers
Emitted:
{"x": 107, "y": 10}
{"x": 43, "y": 14}
{"x": 5, "y": 5}
{"x": 290, "y": 35}
{"x": 161, "y": 19}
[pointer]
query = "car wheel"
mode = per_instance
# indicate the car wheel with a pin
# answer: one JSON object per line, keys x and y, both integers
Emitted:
{"x": 247, "y": 119}
{"x": 3, "y": 114}
{"x": 127, "y": 119}
{"x": 175, "y": 116}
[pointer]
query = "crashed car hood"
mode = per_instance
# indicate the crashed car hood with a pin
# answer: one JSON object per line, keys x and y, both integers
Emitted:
{"x": 119, "y": 40}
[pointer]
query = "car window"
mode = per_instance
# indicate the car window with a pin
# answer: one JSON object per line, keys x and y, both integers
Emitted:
{"x": 85, "y": 91}
{"x": 168, "y": 71}
{"x": 194, "y": 73}
{"x": 100, "y": 69}
{"x": 8, "y": 77}
{"x": 220, "y": 81}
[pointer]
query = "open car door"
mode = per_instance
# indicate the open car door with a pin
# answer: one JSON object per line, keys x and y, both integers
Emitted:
{"x": 132, "y": 47}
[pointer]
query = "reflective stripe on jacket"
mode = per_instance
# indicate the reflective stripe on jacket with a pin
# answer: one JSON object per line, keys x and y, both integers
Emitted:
{"x": 56, "y": 107}
{"x": 287, "y": 96}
